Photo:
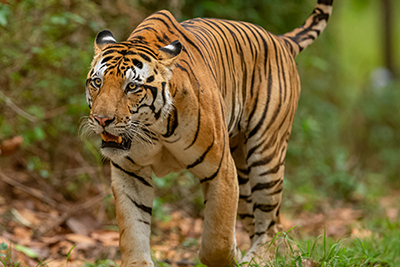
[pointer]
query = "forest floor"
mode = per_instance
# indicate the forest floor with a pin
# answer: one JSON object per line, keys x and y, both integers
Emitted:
{"x": 39, "y": 226}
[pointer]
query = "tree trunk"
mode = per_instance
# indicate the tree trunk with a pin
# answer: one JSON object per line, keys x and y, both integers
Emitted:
{"x": 388, "y": 52}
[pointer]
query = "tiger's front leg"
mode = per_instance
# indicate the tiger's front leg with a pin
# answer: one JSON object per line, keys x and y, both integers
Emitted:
{"x": 134, "y": 194}
{"x": 221, "y": 193}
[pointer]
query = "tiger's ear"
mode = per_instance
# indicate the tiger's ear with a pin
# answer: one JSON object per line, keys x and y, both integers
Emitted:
{"x": 168, "y": 54}
{"x": 103, "y": 38}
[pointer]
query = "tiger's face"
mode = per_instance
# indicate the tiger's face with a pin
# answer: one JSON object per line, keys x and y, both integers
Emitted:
{"x": 127, "y": 90}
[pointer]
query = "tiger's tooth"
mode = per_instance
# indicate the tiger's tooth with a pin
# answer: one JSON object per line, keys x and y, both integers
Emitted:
{"x": 119, "y": 141}
{"x": 104, "y": 137}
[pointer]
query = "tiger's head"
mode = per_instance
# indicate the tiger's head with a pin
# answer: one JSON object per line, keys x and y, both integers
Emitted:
{"x": 127, "y": 90}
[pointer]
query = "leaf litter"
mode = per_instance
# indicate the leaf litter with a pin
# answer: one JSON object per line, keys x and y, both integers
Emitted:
{"x": 37, "y": 231}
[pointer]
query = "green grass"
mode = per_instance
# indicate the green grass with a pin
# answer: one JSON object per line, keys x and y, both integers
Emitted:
{"x": 380, "y": 249}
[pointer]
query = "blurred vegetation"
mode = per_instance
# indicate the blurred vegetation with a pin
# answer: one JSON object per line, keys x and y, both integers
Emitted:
{"x": 344, "y": 145}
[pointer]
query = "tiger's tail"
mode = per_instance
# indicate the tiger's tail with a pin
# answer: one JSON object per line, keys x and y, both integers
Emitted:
{"x": 301, "y": 37}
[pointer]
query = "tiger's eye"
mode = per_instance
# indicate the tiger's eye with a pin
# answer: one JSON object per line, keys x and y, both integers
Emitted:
{"x": 97, "y": 82}
{"x": 131, "y": 86}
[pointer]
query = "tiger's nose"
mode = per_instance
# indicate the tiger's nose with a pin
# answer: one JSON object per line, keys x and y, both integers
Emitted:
{"x": 103, "y": 121}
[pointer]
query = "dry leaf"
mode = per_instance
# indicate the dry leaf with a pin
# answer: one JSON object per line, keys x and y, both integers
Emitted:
{"x": 82, "y": 224}
{"x": 108, "y": 238}
{"x": 22, "y": 235}
{"x": 79, "y": 239}
{"x": 361, "y": 233}
{"x": 9, "y": 147}
{"x": 52, "y": 240}
{"x": 392, "y": 214}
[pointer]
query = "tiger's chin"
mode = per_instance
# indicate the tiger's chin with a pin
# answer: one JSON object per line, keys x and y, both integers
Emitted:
{"x": 114, "y": 146}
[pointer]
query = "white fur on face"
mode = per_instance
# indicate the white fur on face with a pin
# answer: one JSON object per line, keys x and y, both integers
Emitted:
{"x": 137, "y": 75}
{"x": 98, "y": 72}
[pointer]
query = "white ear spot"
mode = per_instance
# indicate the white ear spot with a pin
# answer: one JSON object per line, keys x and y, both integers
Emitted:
{"x": 108, "y": 39}
{"x": 173, "y": 49}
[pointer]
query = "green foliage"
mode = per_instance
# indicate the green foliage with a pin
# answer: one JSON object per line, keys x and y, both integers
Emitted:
{"x": 344, "y": 142}
{"x": 4, "y": 15}
{"x": 6, "y": 260}
{"x": 69, "y": 253}
{"x": 45, "y": 54}
{"x": 27, "y": 251}
{"x": 323, "y": 251}
{"x": 3, "y": 246}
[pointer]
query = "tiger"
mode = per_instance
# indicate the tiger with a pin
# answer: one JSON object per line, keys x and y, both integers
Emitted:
{"x": 215, "y": 97}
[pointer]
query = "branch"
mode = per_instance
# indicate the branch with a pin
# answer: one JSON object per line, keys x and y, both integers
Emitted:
{"x": 74, "y": 209}
{"x": 36, "y": 193}
{"x": 17, "y": 109}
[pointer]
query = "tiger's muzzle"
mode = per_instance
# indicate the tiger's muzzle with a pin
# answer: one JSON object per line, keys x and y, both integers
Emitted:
{"x": 112, "y": 141}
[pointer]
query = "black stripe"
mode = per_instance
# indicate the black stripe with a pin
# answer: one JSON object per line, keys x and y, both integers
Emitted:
{"x": 209, "y": 47}
{"x": 242, "y": 180}
{"x": 260, "y": 233}
{"x": 245, "y": 198}
{"x": 187, "y": 39}
{"x": 272, "y": 170}
{"x": 163, "y": 92}
{"x": 197, "y": 129}
{"x": 141, "y": 179}
{"x": 140, "y": 206}
{"x": 266, "y": 159}
{"x": 276, "y": 192}
{"x": 244, "y": 171}
{"x": 276, "y": 112}
{"x": 106, "y": 59}
{"x": 219, "y": 167}
{"x": 149, "y": 28}
{"x": 201, "y": 158}
{"x": 262, "y": 33}
{"x": 109, "y": 51}
{"x": 249, "y": 39}
{"x": 271, "y": 224}
{"x": 145, "y": 57}
{"x": 265, "y": 207}
{"x": 316, "y": 19}
{"x": 269, "y": 88}
{"x": 137, "y": 63}
{"x": 263, "y": 161}
{"x": 117, "y": 46}
{"x": 222, "y": 58}
{"x": 262, "y": 186}
{"x": 145, "y": 222}
{"x": 172, "y": 123}
{"x": 244, "y": 216}
{"x": 144, "y": 48}
{"x": 150, "y": 79}
{"x": 131, "y": 160}
{"x": 252, "y": 150}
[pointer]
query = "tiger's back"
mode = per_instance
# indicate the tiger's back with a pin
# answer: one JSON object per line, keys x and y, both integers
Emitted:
{"x": 240, "y": 59}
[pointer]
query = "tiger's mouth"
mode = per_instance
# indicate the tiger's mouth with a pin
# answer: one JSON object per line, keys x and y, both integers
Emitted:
{"x": 113, "y": 141}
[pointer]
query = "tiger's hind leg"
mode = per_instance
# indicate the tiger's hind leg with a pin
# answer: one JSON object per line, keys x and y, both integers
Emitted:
{"x": 265, "y": 161}
{"x": 245, "y": 208}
